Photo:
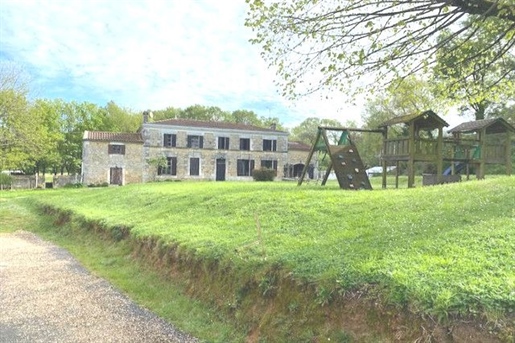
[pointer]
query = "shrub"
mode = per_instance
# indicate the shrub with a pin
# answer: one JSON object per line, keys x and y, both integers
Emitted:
{"x": 74, "y": 185}
{"x": 263, "y": 174}
{"x": 5, "y": 180}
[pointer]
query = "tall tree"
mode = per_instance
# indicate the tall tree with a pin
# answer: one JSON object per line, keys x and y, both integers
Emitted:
{"x": 22, "y": 135}
{"x": 306, "y": 131}
{"x": 121, "y": 119}
{"x": 244, "y": 117}
{"x": 317, "y": 44}
{"x": 471, "y": 77}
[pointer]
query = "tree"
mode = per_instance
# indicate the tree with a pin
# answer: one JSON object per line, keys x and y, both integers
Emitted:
{"x": 306, "y": 131}
{"x": 475, "y": 83}
{"x": 334, "y": 44}
{"x": 22, "y": 134}
{"x": 244, "y": 117}
{"x": 122, "y": 119}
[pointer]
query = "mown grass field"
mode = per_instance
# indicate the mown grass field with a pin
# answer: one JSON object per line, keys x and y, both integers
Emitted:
{"x": 440, "y": 251}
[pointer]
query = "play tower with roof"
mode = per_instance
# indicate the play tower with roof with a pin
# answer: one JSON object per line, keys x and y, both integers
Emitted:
{"x": 475, "y": 143}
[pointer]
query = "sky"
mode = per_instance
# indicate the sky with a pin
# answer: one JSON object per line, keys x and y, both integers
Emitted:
{"x": 151, "y": 54}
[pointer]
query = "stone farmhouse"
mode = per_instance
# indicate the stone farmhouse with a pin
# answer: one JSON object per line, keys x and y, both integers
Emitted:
{"x": 191, "y": 150}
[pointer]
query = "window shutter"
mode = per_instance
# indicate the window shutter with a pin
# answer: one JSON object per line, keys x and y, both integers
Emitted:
{"x": 122, "y": 150}
{"x": 251, "y": 167}
{"x": 201, "y": 142}
{"x": 173, "y": 166}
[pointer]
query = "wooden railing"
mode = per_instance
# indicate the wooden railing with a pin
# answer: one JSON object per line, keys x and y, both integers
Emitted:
{"x": 396, "y": 147}
{"x": 400, "y": 147}
{"x": 426, "y": 147}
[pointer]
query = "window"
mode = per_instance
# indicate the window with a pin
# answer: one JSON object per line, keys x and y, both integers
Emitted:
{"x": 244, "y": 143}
{"x": 270, "y": 164}
{"x": 195, "y": 166}
{"x": 223, "y": 143}
{"x": 169, "y": 140}
{"x": 118, "y": 149}
{"x": 269, "y": 144}
{"x": 170, "y": 168}
{"x": 245, "y": 167}
{"x": 196, "y": 142}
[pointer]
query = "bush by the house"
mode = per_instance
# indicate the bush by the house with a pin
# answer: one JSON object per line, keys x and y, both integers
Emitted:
{"x": 5, "y": 181}
{"x": 263, "y": 174}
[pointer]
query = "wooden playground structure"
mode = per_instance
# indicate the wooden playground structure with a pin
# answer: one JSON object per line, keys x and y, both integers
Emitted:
{"x": 475, "y": 143}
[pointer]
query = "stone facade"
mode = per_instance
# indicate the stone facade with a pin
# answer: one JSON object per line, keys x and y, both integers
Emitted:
{"x": 100, "y": 164}
{"x": 179, "y": 149}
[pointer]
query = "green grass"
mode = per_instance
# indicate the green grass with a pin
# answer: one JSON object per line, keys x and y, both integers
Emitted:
{"x": 446, "y": 249}
{"x": 442, "y": 251}
{"x": 114, "y": 262}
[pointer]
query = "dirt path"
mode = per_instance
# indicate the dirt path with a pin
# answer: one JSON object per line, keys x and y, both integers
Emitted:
{"x": 47, "y": 296}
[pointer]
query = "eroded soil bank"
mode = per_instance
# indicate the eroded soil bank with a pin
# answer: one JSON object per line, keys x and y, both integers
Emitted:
{"x": 271, "y": 305}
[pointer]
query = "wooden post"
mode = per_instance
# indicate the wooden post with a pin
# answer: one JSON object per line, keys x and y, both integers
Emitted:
{"x": 508, "y": 152}
{"x": 397, "y": 163}
{"x": 383, "y": 160}
{"x": 411, "y": 159}
{"x": 310, "y": 156}
{"x": 482, "y": 159}
{"x": 439, "y": 157}
{"x": 327, "y": 143}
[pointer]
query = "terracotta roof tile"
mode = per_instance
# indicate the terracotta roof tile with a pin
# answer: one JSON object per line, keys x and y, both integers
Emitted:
{"x": 113, "y": 136}
{"x": 213, "y": 124}
{"x": 295, "y": 145}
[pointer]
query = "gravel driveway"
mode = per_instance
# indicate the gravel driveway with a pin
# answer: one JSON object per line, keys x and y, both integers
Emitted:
{"x": 47, "y": 296}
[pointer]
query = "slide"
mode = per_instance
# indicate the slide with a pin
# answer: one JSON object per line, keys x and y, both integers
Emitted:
{"x": 458, "y": 166}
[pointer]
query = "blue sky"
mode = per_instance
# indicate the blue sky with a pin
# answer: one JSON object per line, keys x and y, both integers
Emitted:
{"x": 150, "y": 55}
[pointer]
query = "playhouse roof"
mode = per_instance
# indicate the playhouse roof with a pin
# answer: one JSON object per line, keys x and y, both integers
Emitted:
{"x": 425, "y": 120}
{"x": 112, "y": 136}
{"x": 493, "y": 125}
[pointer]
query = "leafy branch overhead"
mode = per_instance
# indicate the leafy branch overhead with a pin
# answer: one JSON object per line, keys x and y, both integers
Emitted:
{"x": 334, "y": 44}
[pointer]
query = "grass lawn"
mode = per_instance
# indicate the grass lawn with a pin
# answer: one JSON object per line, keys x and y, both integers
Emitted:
{"x": 442, "y": 251}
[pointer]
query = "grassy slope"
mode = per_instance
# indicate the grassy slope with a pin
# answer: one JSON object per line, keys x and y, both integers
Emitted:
{"x": 113, "y": 261}
{"x": 440, "y": 249}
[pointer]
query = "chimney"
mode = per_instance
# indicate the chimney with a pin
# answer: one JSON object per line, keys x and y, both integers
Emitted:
{"x": 147, "y": 115}
{"x": 273, "y": 126}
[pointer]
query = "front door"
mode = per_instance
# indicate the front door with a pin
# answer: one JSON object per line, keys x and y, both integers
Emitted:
{"x": 220, "y": 169}
{"x": 115, "y": 176}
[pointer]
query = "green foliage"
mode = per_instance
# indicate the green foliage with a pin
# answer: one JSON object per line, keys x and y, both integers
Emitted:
{"x": 469, "y": 71}
{"x": 164, "y": 296}
{"x": 213, "y": 113}
{"x": 442, "y": 250}
{"x": 73, "y": 185}
{"x": 263, "y": 174}
{"x": 403, "y": 97}
{"x": 5, "y": 180}
{"x": 361, "y": 46}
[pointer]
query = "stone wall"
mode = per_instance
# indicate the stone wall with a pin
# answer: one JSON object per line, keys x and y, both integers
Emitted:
{"x": 136, "y": 161}
{"x": 209, "y": 153}
{"x": 25, "y": 182}
{"x": 97, "y": 162}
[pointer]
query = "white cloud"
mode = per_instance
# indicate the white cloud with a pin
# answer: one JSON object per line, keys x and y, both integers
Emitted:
{"x": 149, "y": 54}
